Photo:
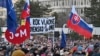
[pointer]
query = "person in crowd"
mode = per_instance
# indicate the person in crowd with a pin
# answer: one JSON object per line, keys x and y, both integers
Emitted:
{"x": 90, "y": 49}
{"x": 27, "y": 53}
{"x": 97, "y": 52}
{"x": 74, "y": 49}
{"x": 2, "y": 50}
{"x": 18, "y": 52}
{"x": 56, "y": 52}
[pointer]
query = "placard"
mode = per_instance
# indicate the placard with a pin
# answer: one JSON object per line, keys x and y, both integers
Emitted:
{"x": 42, "y": 25}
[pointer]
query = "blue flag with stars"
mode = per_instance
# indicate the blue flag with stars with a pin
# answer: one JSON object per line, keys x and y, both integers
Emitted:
{"x": 11, "y": 17}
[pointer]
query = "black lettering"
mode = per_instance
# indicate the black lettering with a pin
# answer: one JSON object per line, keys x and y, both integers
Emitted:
{"x": 51, "y": 27}
{"x": 36, "y": 21}
{"x": 43, "y": 22}
{"x": 37, "y": 29}
{"x": 49, "y": 21}
{"x": 33, "y": 29}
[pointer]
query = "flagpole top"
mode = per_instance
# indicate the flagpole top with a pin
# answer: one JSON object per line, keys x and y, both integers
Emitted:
{"x": 64, "y": 25}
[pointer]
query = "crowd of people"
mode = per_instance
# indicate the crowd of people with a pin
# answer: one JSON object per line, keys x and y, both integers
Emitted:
{"x": 43, "y": 46}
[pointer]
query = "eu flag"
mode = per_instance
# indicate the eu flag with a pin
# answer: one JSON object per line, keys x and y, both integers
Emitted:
{"x": 11, "y": 16}
{"x": 63, "y": 40}
{"x": 3, "y": 3}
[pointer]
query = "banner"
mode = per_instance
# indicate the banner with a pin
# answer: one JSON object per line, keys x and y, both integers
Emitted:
{"x": 42, "y": 25}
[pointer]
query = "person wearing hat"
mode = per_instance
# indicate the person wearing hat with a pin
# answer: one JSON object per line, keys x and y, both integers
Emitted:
{"x": 18, "y": 53}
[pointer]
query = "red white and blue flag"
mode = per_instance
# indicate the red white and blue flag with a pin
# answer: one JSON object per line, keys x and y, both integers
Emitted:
{"x": 77, "y": 24}
{"x": 14, "y": 34}
{"x": 26, "y": 11}
{"x": 25, "y": 15}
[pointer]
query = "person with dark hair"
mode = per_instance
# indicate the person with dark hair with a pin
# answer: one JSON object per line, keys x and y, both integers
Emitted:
{"x": 27, "y": 53}
{"x": 74, "y": 49}
{"x": 97, "y": 52}
{"x": 56, "y": 52}
{"x": 96, "y": 45}
{"x": 34, "y": 51}
{"x": 19, "y": 51}
{"x": 2, "y": 50}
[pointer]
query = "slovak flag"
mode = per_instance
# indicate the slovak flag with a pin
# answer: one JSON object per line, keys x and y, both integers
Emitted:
{"x": 77, "y": 24}
{"x": 25, "y": 16}
{"x": 26, "y": 11}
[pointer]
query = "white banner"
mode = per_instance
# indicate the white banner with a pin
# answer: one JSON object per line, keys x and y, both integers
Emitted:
{"x": 42, "y": 25}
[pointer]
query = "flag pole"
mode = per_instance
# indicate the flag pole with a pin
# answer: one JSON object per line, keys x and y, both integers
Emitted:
{"x": 54, "y": 34}
{"x": 64, "y": 25}
{"x": 63, "y": 38}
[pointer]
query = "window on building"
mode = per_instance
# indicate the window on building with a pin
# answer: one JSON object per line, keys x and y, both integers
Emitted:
{"x": 57, "y": 3}
{"x": 67, "y": 2}
{"x": 84, "y": 2}
{"x": 81, "y": 11}
{"x": 75, "y": 2}
{"x": 81, "y": 2}
{"x": 1, "y": 13}
{"x": 77, "y": 10}
{"x": 54, "y": 3}
{"x": 72, "y": 2}
{"x": 87, "y": 2}
{"x": 62, "y": 3}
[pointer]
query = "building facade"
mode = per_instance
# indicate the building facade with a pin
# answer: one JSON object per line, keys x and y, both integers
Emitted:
{"x": 58, "y": 6}
{"x": 2, "y": 9}
{"x": 66, "y": 5}
{"x": 2, "y": 13}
